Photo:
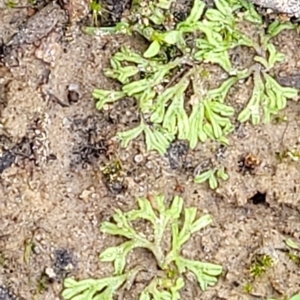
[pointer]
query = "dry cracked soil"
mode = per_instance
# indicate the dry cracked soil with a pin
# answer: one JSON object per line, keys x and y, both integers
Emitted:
{"x": 54, "y": 144}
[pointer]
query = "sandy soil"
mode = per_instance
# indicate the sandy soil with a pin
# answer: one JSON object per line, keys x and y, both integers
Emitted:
{"x": 54, "y": 144}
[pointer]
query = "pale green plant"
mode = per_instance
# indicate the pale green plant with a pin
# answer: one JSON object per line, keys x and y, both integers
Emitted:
{"x": 268, "y": 96}
{"x": 171, "y": 261}
{"x": 160, "y": 83}
{"x": 209, "y": 118}
{"x": 93, "y": 289}
{"x": 212, "y": 176}
{"x": 273, "y": 30}
{"x": 168, "y": 79}
{"x": 250, "y": 14}
{"x": 291, "y": 244}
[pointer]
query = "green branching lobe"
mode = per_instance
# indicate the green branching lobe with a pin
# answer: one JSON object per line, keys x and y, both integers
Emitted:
{"x": 267, "y": 94}
{"x": 209, "y": 118}
{"x": 166, "y": 79}
{"x": 93, "y": 289}
{"x": 291, "y": 244}
{"x": 212, "y": 176}
{"x": 171, "y": 262}
{"x": 153, "y": 290}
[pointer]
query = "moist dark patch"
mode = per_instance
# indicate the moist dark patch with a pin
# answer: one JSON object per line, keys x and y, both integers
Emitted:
{"x": 19, "y": 153}
{"x": 116, "y": 186}
{"x": 6, "y": 160}
{"x": 91, "y": 151}
{"x": 3, "y": 92}
{"x": 4, "y": 50}
{"x": 181, "y": 9}
{"x": 289, "y": 80}
{"x": 90, "y": 143}
{"x": 113, "y": 10}
{"x": 32, "y": 146}
{"x": 176, "y": 154}
{"x": 63, "y": 263}
{"x": 24, "y": 149}
{"x": 117, "y": 116}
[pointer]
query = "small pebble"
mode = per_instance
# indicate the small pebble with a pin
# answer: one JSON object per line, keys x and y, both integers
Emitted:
{"x": 50, "y": 273}
{"x": 138, "y": 158}
{"x": 149, "y": 165}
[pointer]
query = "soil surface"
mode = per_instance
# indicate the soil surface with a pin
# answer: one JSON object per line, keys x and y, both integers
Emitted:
{"x": 54, "y": 144}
